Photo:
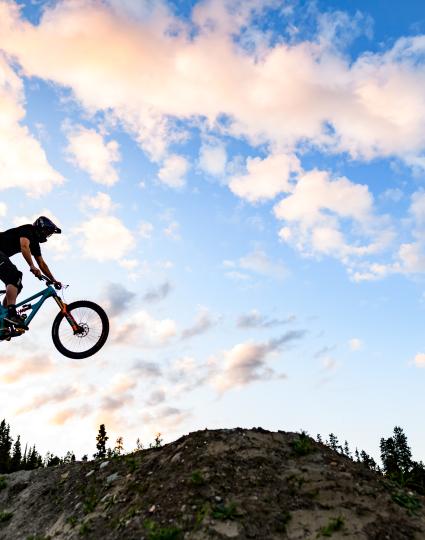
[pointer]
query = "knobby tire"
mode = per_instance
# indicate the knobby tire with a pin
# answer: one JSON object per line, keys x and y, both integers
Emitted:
{"x": 60, "y": 319}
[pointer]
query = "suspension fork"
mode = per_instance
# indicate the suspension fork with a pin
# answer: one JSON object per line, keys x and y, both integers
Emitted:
{"x": 63, "y": 307}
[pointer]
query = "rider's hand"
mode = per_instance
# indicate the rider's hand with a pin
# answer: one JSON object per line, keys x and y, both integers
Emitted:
{"x": 36, "y": 271}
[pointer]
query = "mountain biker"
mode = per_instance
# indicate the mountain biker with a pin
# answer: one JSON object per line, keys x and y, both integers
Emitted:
{"x": 25, "y": 239}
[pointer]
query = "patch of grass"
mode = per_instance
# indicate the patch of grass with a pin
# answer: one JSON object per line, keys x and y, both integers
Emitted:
{"x": 220, "y": 511}
{"x": 90, "y": 500}
{"x": 155, "y": 532}
{"x": 131, "y": 513}
{"x": 71, "y": 520}
{"x": 5, "y": 516}
{"x": 38, "y": 537}
{"x": 201, "y": 513}
{"x": 197, "y": 479}
{"x": 409, "y": 502}
{"x": 3, "y": 482}
{"x": 131, "y": 463}
{"x": 303, "y": 445}
{"x": 282, "y": 521}
{"x": 85, "y": 528}
{"x": 334, "y": 525}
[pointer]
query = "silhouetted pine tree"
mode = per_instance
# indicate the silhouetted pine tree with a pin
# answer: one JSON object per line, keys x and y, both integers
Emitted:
{"x": 51, "y": 460}
{"x": 334, "y": 443}
{"x": 16, "y": 461}
{"x": 34, "y": 460}
{"x": 5, "y": 447}
{"x": 24, "y": 458}
{"x": 396, "y": 455}
{"x": 417, "y": 477}
{"x": 347, "y": 451}
{"x": 69, "y": 457}
{"x": 368, "y": 461}
{"x": 101, "y": 442}
{"x": 119, "y": 446}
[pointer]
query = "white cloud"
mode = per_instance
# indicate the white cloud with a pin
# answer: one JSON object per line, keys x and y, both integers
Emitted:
{"x": 318, "y": 209}
{"x": 105, "y": 238}
{"x": 101, "y": 202}
{"x": 129, "y": 264}
{"x": 88, "y": 151}
{"x": 355, "y": 344}
{"x": 260, "y": 263}
{"x": 143, "y": 330}
{"x": 292, "y": 92}
{"x": 419, "y": 360}
{"x": 3, "y": 209}
{"x": 281, "y": 95}
{"x": 173, "y": 171}
{"x": 173, "y": 230}
{"x": 145, "y": 230}
{"x": 265, "y": 178}
{"x": 213, "y": 158}
{"x": 417, "y": 208}
{"x": 243, "y": 364}
{"x": 203, "y": 322}
{"x": 248, "y": 362}
{"x": 24, "y": 163}
{"x": 121, "y": 383}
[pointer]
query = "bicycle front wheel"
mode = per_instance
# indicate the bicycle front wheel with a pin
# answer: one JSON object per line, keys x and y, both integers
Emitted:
{"x": 93, "y": 331}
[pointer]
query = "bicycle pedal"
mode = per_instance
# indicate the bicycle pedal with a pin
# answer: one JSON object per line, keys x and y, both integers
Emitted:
{"x": 19, "y": 330}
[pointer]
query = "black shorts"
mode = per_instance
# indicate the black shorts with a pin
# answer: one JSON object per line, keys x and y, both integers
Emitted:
{"x": 9, "y": 274}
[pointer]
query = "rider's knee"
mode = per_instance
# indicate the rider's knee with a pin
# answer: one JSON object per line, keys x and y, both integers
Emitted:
{"x": 14, "y": 278}
{"x": 19, "y": 282}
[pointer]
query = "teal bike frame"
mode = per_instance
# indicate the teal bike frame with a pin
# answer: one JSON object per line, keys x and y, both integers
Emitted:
{"x": 26, "y": 305}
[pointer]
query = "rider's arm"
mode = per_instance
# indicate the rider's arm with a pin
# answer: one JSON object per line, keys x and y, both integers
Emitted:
{"x": 26, "y": 252}
{"x": 44, "y": 268}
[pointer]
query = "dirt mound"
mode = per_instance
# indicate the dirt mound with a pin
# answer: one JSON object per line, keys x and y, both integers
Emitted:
{"x": 232, "y": 483}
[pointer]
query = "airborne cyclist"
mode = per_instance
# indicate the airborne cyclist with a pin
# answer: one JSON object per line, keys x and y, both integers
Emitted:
{"x": 25, "y": 239}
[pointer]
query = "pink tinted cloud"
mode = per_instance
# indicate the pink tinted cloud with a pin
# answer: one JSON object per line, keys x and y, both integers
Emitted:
{"x": 27, "y": 366}
{"x": 281, "y": 94}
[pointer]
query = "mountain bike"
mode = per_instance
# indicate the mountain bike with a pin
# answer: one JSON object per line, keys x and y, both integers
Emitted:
{"x": 79, "y": 330}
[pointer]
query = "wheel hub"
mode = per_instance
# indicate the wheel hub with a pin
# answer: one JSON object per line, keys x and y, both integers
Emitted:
{"x": 83, "y": 330}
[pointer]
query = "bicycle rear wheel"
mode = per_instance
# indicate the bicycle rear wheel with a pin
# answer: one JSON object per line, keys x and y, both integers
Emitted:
{"x": 93, "y": 332}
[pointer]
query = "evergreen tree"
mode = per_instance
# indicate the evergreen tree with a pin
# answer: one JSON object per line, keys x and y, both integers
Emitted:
{"x": 101, "y": 442}
{"x": 396, "y": 455}
{"x": 347, "y": 451}
{"x": 5, "y": 447}
{"x": 31, "y": 459}
{"x": 16, "y": 460}
{"x": 69, "y": 457}
{"x": 334, "y": 443}
{"x": 24, "y": 458}
{"x": 417, "y": 477}
{"x": 119, "y": 446}
{"x": 139, "y": 444}
{"x": 51, "y": 460}
{"x": 319, "y": 438}
{"x": 368, "y": 460}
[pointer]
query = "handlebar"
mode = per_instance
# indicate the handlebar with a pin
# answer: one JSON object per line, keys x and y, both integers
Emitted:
{"x": 50, "y": 282}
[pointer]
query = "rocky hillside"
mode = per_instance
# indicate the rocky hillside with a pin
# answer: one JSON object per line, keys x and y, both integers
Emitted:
{"x": 211, "y": 484}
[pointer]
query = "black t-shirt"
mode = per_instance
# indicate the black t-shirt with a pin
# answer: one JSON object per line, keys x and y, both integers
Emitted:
{"x": 10, "y": 240}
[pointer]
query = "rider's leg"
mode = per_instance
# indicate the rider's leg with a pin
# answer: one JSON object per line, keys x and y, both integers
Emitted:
{"x": 11, "y": 295}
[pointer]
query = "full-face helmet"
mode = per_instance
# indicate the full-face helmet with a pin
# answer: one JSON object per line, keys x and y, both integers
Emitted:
{"x": 44, "y": 227}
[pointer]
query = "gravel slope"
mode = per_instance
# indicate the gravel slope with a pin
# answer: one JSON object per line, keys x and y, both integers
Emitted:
{"x": 209, "y": 485}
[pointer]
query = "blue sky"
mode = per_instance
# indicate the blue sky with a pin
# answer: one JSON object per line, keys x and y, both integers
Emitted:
{"x": 240, "y": 184}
